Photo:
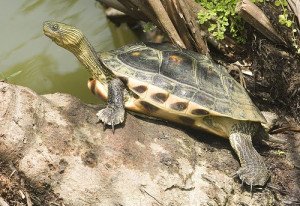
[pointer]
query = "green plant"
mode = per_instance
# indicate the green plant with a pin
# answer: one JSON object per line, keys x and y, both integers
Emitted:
{"x": 261, "y": 1}
{"x": 294, "y": 40}
{"x": 149, "y": 26}
{"x": 280, "y": 153}
{"x": 223, "y": 14}
{"x": 286, "y": 19}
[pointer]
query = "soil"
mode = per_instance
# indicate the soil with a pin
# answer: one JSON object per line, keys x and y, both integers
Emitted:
{"x": 15, "y": 190}
{"x": 276, "y": 68}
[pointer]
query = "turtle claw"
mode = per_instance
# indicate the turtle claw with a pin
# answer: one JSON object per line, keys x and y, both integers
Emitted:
{"x": 111, "y": 116}
{"x": 233, "y": 175}
{"x": 243, "y": 180}
{"x": 253, "y": 176}
{"x": 113, "y": 127}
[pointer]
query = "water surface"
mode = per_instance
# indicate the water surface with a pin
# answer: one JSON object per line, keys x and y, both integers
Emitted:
{"x": 38, "y": 62}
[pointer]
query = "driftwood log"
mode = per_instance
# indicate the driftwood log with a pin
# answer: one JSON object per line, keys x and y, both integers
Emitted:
{"x": 179, "y": 20}
{"x": 295, "y": 7}
{"x": 256, "y": 18}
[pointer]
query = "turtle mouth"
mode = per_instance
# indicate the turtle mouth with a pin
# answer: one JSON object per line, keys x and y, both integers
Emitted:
{"x": 55, "y": 37}
{"x": 46, "y": 31}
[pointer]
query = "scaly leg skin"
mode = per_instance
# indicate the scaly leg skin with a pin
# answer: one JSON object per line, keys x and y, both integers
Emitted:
{"x": 114, "y": 113}
{"x": 253, "y": 170}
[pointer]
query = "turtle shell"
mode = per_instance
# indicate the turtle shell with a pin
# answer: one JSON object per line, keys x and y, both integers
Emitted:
{"x": 204, "y": 87}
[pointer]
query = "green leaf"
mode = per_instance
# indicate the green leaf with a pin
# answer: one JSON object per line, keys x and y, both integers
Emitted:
{"x": 212, "y": 27}
{"x": 279, "y": 152}
{"x": 215, "y": 33}
{"x": 220, "y": 36}
{"x": 289, "y": 23}
{"x": 226, "y": 23}
{"x": 282, "y": 19}
{"x": 224, "y": 12}
{"x": 277, "y": 3}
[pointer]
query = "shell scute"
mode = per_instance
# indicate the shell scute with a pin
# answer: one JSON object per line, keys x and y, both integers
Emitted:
{"x": 186, "y": 75}
{"x": 179, "y": 106}
{"x": 160, "y": 97}
{"x": 140, "y": 88}
{"x": 204, "y": 99}
{"x": 182, "y": 90}
{"x": 210, "y": 80}
{"x": 149, "y": 108}
{"x": 164, "y": 83}
{"x": 200, "y": 112}
{"x": 147, "y": 77}
{"x": 178, "y": 66}
{"x": 145, "y": 59}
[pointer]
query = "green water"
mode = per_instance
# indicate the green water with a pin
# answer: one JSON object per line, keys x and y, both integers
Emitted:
{"x": 40, "y": 64}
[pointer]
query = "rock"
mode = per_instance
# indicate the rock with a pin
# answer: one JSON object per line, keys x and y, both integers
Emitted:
{"x": 56, "y": 145}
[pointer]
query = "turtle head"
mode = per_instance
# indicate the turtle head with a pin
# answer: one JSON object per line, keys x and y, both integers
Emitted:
{"x": 66, "y": 36}
{"x": 72, "y": 39}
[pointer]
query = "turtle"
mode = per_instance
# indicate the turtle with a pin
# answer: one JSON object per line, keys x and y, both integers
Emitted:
{"x": 171, "y": 83}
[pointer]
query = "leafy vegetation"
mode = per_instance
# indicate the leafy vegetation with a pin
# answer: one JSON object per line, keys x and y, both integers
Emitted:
{"x": 280, "y": 153}
{"x": 149, "y": 27}
{"x": 223, "y": 14}
{"x": 284, "y": 18}
{"x": 225, "y": 20}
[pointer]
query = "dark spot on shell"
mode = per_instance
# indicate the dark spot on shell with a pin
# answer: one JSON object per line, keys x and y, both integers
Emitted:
{"x": 186, "y": 120}
{"x": 124, "y": 79}
{"x": 135, "y": 95}
{"x": 160, "y": 97}
{"x": 200, "y": 112}
{"x": 140, "y": 89}
{"x": 149, "y": 107}
{"x": 179, "y": 106}
{"x": 92, "y": 85}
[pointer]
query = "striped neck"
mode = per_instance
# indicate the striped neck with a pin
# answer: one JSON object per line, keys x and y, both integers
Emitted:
{"x": 87, "y": 55}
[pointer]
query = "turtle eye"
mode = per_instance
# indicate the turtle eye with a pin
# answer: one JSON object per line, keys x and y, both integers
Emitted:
{"x": 54, "y": 27}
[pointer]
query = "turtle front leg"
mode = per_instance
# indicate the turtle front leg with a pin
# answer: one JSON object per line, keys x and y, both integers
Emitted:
{"x": 114, "y": 113}
{"x": 253, "y": 170}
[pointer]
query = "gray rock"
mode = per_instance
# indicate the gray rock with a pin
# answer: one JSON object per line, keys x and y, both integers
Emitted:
{"x": 55, "y": 141}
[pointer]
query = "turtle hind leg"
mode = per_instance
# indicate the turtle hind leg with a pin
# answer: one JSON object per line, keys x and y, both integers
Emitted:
{"x": 114, "y": 113}
{"x": 253, "y": 170}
